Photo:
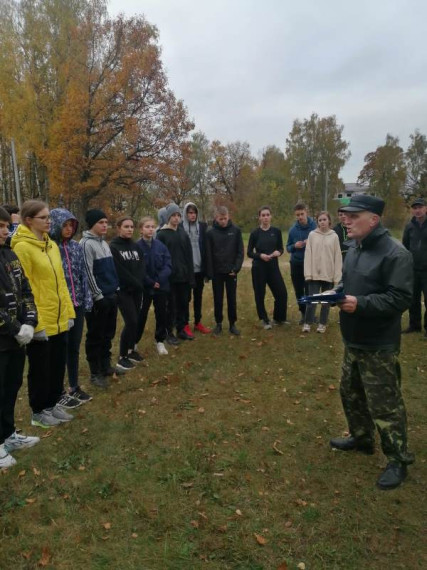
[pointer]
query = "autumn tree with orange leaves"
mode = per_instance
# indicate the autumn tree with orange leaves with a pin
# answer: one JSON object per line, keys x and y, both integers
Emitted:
{"x": 107, "y": 125}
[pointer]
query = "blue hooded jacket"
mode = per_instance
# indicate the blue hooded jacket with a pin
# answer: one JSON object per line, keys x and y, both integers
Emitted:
{"x": 72, "y": 259}
{"x": 298, "y": 232}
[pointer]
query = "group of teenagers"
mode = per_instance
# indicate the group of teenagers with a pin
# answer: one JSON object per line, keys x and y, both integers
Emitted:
{"x": 51, "y": 285}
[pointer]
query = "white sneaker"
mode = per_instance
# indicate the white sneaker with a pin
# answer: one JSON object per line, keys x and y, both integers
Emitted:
{"x": 306, "y": 328}
{"x": 6, "y": 460}
{"x": 60, "y": 414}
{"x": 266, "y": 325}
{"x": 161, "y": 349}
{"x": 321, "y": 328}
{"x": 19, "y": 441}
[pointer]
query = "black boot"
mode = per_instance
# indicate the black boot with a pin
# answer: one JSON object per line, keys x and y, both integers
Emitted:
{"x": 217, "y": 330}
{"x": 392, "y": 476}
{"x": 234, "y": 330}
{"x": 351, "y": 443}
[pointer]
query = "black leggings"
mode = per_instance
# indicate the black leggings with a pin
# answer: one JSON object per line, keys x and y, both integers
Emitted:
{"x": 268, "y": 273}
{"x": 46, "y": 371}
{"x": 129, "y": 306}
{"x": 11, "y": 370}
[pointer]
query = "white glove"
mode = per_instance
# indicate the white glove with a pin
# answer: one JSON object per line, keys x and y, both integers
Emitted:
{"x": 70, "y": 323}
{"x": 40, "y": 335}
{"x": 25, "y": 335}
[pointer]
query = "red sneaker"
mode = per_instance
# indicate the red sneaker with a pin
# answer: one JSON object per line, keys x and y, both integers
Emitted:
{"x": 187, "y": 330}
{"x": 201, "y": 328}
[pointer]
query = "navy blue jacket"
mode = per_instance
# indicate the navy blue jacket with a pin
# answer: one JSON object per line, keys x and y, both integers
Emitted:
{"x": 298, "y": 232}
{"x": 158, "y": 266}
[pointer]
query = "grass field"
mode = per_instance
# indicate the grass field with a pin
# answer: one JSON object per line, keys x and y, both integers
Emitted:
{"x": 217, "y": 457}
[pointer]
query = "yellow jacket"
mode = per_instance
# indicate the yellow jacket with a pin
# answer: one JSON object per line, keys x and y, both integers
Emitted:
{"x": 42, "y": 265}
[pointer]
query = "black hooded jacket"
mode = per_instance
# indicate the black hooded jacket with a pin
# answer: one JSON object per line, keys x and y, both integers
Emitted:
{"x": 17, "y": 305}
{"x": 378, "y": 272}
{"x": 224, "y": 249}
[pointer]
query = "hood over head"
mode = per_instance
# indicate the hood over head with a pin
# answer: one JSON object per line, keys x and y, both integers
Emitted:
{"x": 58, "y": 218}
{"x": 185, "y": 221}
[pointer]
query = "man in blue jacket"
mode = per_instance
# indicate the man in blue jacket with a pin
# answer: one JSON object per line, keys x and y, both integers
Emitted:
{"x": 297, "y": 239}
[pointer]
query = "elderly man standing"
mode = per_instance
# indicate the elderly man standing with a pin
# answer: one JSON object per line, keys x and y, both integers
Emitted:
{"x": 377, "y": 282}
{"x": 415, "y": 240}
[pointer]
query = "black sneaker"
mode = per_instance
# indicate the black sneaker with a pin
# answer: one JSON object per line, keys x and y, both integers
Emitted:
{"x": 125, "y": 364}
{"x": 217, "y": 330}
{"x": 134, "y": 356}
{"x": 68, "y": 402}
{"x": 172, "y": 340}
{"x": 99, "y": 381}
{"x": 392, "y": 476}
{"x": 184, "y": 336}
{"x": 234, "y": 330}
{"x": 80, "y": 395}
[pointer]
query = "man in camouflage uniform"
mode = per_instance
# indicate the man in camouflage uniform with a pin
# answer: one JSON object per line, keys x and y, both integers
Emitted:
{"x": 377, "y": 282}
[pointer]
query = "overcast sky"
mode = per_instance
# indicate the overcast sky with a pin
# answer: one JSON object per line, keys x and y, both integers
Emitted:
{"x": 246, "y": 69}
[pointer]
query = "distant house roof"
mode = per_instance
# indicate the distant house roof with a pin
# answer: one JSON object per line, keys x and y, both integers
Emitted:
{"x": 352, "y": 189}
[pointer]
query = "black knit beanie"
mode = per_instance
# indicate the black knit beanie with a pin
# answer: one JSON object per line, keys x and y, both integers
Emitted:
{"x": 93, "y": 216}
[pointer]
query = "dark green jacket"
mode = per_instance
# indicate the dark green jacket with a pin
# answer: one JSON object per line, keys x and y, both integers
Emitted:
{"x": 378, "y": 272}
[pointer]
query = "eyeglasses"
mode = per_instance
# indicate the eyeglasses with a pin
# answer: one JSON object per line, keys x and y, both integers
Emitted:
{"x": 44, "y": 218}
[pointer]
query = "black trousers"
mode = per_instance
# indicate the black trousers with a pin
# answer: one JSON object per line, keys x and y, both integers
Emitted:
{"x": 46, "y": 371}
{"x": 74, "y": 339}
{"x": 130, "y": 307}
{"x": 159, "y": 301}
{"x": 177, "y": 306}
{"x": 415, "y": 312}
{"x": 197, "y": 291}
{"x": 219, "y": 281}
{"x": 101, "y": 328}
{"x": 268, "y": 273}
{"x": 11, "y": 371}
{"x": 299, "y": 283}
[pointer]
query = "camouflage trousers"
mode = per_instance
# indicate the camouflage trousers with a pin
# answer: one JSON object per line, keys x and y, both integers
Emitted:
{"x": 371, "y": 398}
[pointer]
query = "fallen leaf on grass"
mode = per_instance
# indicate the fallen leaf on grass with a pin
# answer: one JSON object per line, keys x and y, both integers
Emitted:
{"x": 194, "y": 524}
{"x": 222, "y": 528}
{"x": 201, "y": 410}
{"x": 46, "y": 556}
{"x": 276, "y": 449}
{"x": 26, "y": 555}
{"x": 82, "y": 467}
{"x": 288, "y": 524}
{"x": 260, "y": 539}
{"x": 134, "y": 535}
{"x": 283, "y": 566}
{"x": 30, "y": 501}
{"x": 331, "y": 387}
{"x": 187, "y": 485}
{"x": 22, "y": 473}
{"x": 36, "y": 471}
{"x": 107, "y": 525}
{"x": 47, "y": 434}
{"x": 238, "y": 512}
{"x": 301, "y": 566}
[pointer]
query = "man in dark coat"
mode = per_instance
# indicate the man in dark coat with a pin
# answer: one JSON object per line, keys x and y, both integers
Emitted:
{"x": 415, "y": 240}
{"x": 377, "y": 282}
